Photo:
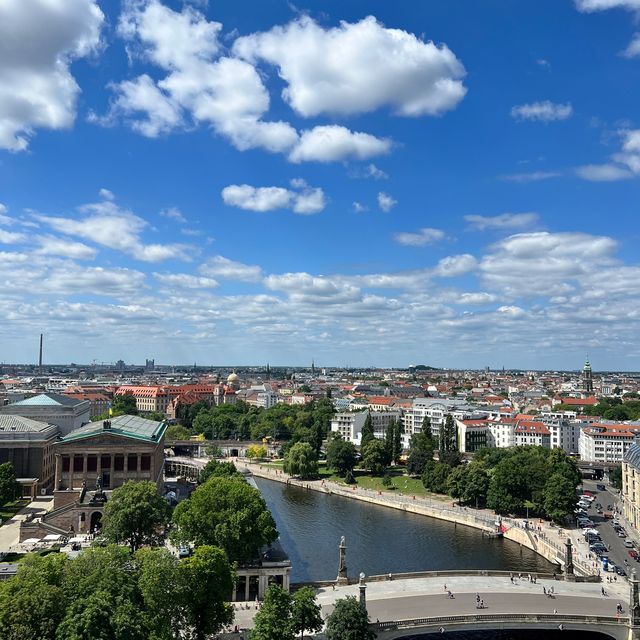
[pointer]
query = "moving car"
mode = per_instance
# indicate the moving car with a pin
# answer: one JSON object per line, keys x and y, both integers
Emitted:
{"x": 620, "y": 571}
{"x": 601, "y": 487}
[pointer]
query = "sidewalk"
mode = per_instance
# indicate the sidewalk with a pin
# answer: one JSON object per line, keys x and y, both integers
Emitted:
{"x": 10, "y": 530}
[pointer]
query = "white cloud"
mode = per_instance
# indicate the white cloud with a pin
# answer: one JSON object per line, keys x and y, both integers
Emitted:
{"x": 221, "y": 267}
{"x": 588, "y": 6}
{"x": 173, "y": 213}
{"x": 422, "y": 238}
{"x": 386, "y": 202}
{"x": 476, "y": 297}
{"x": 502, "y": 221}
{"x": 545, "y": 111}
{"x": 532, "y": 176}
{"x": 623, "y": 165}
{"x": 358, "y": 207}
{"x": 105, "y": 194}
{"x": 305, "y": 201}
{"x": 358, "y": 68}
{"x": 10, "y": 237}
{"x": 224, "y": 92}
{"x": 633, "y": 48}
{"x": 374, "y": 172}
{"x": 454, "y": 266}
{"x": 54, "y": 246}
{"x": 330, "y": 143}
{"x": 39, "y": 39}
{"x": 186, "y": 281}
{"x": 108, "y": 225}
{"x": 321, "y": 289}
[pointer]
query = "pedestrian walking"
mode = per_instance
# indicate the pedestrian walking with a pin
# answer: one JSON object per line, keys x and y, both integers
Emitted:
{"x": 482, "y": 604}
{"x": 544, "y": 590}
{"x": 555, "y": 611}
{"x": 604, "y": 593}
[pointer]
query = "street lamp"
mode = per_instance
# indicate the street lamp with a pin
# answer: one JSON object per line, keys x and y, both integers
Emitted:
{"x": 363, "y": 587}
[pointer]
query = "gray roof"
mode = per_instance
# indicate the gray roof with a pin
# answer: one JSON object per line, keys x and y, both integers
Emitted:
{"x": 128, "y": 426}
{"x": 18, "y": 423}
{"x": 49, "y": 399}
{"x": 632, "y": 456}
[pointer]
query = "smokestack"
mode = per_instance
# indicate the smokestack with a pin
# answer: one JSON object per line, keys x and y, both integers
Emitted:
{"x": 40, "y": 358}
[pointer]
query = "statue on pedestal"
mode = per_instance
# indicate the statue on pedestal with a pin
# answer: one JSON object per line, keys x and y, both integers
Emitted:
{"x": 342, "y": 566}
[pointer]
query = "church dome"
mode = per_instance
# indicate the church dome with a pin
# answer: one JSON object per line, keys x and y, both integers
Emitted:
{"x": 232, "y": 377}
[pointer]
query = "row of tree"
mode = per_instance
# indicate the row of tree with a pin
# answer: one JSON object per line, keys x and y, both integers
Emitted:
{"x": 108, "y": 593}
{"x": 515, "y": 480}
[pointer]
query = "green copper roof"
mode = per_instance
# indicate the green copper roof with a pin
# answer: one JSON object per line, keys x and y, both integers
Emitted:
{"x": 587, "y": 365}
{"x": 48, "y": 399}
{"x": 128, "y": 426}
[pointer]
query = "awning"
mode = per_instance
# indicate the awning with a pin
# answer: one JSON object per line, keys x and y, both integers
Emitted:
{"x": 31, "y": 541}
{"x": 52, "y": 537}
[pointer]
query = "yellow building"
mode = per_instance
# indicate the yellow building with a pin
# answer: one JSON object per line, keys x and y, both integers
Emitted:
{"x": 631, "y": 485}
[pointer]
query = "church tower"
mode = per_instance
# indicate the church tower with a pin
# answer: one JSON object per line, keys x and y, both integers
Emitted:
{"x": 587, "y": 379}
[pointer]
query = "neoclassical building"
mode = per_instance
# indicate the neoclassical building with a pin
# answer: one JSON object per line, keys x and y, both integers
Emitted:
{"x": 631, "y": 484}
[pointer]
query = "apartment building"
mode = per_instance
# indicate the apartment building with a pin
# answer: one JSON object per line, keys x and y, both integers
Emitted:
{"x": 349, "y": 424}
{"x": 150, "y": 398}
{"x": 531, "y": 432}
{"x": 606, "y": 442}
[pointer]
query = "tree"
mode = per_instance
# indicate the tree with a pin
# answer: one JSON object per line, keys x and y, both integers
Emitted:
{"x": 215, "y": 468}
{"x": 124, "y": 405}
{"x": 341, "y": 456}
{"x": 135, "y": 514}
{"x": 477, "y": 485}
{"x": 389, "y": 438}
{"x": 306, "y": 613}
{"x": 177, "y": 432}
{"x": 615, "y": 476}
{"x": 417, "y": 461}
{"x": 366, "y": 435}
{"x": 10, "y": 489}
{"x": 397, "y": 442}
{"x": 301, "y": 460}
{"x": 256, "y": 451}
{"x": 207, "y": 581}
{"x": 374, "y": 457}
{"x": 228, "y": 513}
{"x": 457, "y": 481}
{"x": 435, "y": 476}
{"x": 348, "y": 621}
{"x": 273, "y": 620}
{"x": 421, "y": 447}
{"x": 33, "y": 603}
{"x": 448, "y": 440}
{"x": 559, "y": 497}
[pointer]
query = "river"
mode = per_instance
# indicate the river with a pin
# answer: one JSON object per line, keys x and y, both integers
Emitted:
{"x": 380, "y": 540}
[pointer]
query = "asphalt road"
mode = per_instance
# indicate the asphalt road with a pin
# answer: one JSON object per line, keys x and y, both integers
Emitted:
{"x": 618, "y": 553}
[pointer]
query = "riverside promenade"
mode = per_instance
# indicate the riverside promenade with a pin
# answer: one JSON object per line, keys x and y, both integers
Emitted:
{"x": 537, "y": 535}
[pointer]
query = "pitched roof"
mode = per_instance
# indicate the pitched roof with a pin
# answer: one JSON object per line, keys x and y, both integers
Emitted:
{"x": 128, "y": 426}
{"x": 48, "y": 399}
{"x": 18, "y": 423}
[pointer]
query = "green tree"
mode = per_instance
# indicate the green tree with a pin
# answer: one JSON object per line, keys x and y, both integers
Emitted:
{"x": 367, "y": 432}
{"x": 477, "y": 485}
{"x": 273, "y": 620}
{"x": 256, "y": 451}
{"x": 615, "y": 476}
{"x": 389, "y": 439}
{"x": 341, "y": 456}
{"x": 33, "y": 603}
{"x": 215, "y": 468}
{"x": 301, "y": 460}
{"x": 457, "y": 481}
{"x": 421, "y": 447}
{"x": 508, "y": 487}
{"x": 435, "y": 476}
{"x": 397, "y": 442}
{"x": 10, "y": 489}
{"x": 124, "y": 405}
{"x": 136, "y": 515}
{"x": 207, "y": 581}
{"x": 348, "y": 621}
{"x": 374, "y": 457}
{"x": 559, "y": 497}
{"x": 177, "y": 432}
{"x": 448, "y": 440}
{"x": 228, "y": 513}
{"x": 306, "y": 613}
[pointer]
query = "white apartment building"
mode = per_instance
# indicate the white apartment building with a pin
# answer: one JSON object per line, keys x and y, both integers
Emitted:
{"x": 349, "y": 424}
{"x": 502, "y": 433}
{"x": 565, "y": 433}
{"x": 531, "y": 432}
{"x": 606, "y": 442}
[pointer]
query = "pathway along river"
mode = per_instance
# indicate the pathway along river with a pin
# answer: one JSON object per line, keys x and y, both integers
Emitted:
{"x": 380, "y": 540}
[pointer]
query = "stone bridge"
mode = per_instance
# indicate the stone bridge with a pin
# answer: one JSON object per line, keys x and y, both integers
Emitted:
{"x": 229, "y": 448}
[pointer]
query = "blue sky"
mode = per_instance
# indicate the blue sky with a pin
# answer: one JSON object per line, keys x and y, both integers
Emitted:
{"x": 448, "y": 182}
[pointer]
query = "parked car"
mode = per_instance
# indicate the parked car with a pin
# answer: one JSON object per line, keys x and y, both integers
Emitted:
{"x": 584, "y": 504}
{"x": 622, "y": 533}
{"x": 620, "y": 571}
{"x": 587, "y": 497}
{"x": 633, "y": 553}
{"x": 598, "y": 546}
{"x": 628, "y": 543}
{"x": 608, "y": 515}
{"x": 601, "y": 487}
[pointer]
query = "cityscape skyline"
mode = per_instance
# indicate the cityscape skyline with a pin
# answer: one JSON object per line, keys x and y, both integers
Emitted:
{"x": 447, "y": 183}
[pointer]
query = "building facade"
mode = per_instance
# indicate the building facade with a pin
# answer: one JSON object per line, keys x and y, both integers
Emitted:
{"x": 631, "y": 484}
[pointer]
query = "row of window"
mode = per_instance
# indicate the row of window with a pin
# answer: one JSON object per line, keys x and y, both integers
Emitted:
{"x": 105, "y": 463}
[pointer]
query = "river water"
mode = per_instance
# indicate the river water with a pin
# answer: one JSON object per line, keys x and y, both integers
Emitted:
{"x": 380, "y": 540}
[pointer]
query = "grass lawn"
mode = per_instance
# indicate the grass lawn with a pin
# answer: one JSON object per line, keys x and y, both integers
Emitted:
{"x": 11, "y": 508}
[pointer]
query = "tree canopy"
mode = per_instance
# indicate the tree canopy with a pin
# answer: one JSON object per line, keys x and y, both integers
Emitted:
{"x": 301, "y": 460}
{"x": 341, "y": 456}
{"x": 215, "y": 468}
{"x": 136, "y": 515}
{"x": 228, "y": 513}
{"x": 10, "y": 489}
{"x": 348, "y": 621}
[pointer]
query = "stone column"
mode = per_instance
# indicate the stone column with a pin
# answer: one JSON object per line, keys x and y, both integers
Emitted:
{"x": 139, "y": 466}
{"x": 112, "y": 459}
{"x": 246, "y": 589}
{"x": 568, "y": 562}
{"x": 125, "y": 468}
{"x": 99, "y": 467}
{"x": 263, "y": 583}
{"x": 58, "y": 474}
{"x": 71, "y": 467}
{"x": 363, "y": 588}
{"x": 85, "y": 466}
{"x": 285, "y": 582}
{"x": 342, "y": 578}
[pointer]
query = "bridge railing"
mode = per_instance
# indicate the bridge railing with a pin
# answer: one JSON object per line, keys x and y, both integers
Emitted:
{"x": 500, "y": 617}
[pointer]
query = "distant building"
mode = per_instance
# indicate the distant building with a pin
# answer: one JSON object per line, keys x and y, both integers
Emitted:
{"x": 152, "y": 398}
{"x": 606, "y": 442}
{"x": 532, "y": 432}
{"x": 349, "y": 425}
{"x": 587, "y": 379}
{"x": 52, "y": 408}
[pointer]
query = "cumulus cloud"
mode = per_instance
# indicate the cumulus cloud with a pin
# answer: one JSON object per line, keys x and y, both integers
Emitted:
{"x": 502, "y": 221}
{"x": 306, "y": 200}
{"x": 454, "y": 266}
{"x": 623, "y": 165}
{"x": 186, "y": 281}
{"x": 39, "y": 39}
{"x": 173, "y": 213}
{"x": 589, "y": 6}
{"x": 357, "y": 68}
{"x": 633, "y": 48}
{"x": 54, "y": 246}
{"x": 10, "y": 237}
{"x": 386, "y": 202}
{"x": 221, "y": 267}
{"x": 421, "y": 238}
{"x": 545, "y": 111}
{"x": 532, "y": 176}
{"x": 330, "y": 143}
{"x": 106, "y": 224}
{"x": 358, "y": 207}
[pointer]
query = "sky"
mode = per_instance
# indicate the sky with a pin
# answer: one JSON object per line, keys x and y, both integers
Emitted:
{"x": 445, "y": 182}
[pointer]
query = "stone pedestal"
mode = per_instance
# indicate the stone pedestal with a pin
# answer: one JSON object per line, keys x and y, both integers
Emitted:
{"x": 342, "y": 578}
{"x": 569, "y": 574}
{"x": 363, "y": 592}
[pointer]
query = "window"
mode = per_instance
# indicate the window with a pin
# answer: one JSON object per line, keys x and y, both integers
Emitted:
{"x": 132, "y": 462}
{"x": 118, "y": 463}
{"x": 92, "y": 463}
{"x": 145, "y": 463}
{"x": 65, "y": 464}
{"x": 78, "y": 464}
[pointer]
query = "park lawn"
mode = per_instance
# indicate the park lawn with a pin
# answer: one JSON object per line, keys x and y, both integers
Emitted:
{"x": 11, "y": 508}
